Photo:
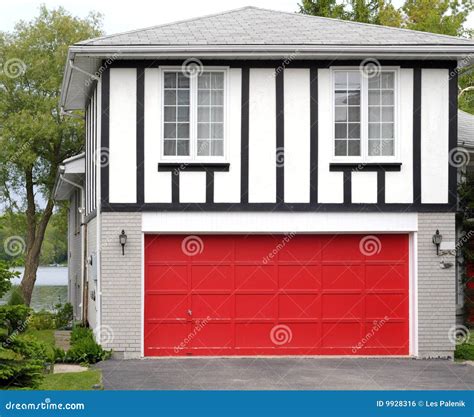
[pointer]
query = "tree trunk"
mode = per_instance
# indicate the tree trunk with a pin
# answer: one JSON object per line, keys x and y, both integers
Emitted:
{"x": 34, "y": 237}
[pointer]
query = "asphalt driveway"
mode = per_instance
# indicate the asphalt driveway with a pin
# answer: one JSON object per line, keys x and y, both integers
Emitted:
{"x": 286, "y": 374}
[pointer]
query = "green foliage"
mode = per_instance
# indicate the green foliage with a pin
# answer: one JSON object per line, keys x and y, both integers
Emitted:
{"x": 6, "y": 275}
{"x": 21, "y": 373}
{"x": 84, "y": 348}
{"x": 438, "y": 16}
{"x": 464, "y": 351}
{"x": 16, "y": 297}
{"x": 64, "y": 315}
{"x": 42, "y": 320}
{"x": 72, "y": 381}
{"x": 14, "y": 318}
{"x": 30, "y": 348}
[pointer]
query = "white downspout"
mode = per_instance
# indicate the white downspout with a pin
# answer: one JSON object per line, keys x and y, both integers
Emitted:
{"x": 62, "y": 169}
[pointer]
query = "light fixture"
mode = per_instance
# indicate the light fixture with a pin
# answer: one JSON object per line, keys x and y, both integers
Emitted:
{"x": 437, "y": 238}
{"x": 123, "y": 241}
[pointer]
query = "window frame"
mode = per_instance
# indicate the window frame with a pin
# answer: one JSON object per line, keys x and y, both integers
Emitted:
{"x": 193, "y": 121}
{"x": 364, "y": 156}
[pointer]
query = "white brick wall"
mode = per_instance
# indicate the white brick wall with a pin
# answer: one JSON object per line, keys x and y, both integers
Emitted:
{"x": 121, "y": 283}
{"x": 436, "y": 287}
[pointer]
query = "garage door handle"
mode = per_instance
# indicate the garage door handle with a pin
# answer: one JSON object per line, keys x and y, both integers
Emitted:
{"x": 190, "y": 312}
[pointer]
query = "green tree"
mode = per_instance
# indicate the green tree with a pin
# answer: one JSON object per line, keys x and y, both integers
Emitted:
{"x": 447, "y": 17}
{"x": 325, "y": 8}
{"x": 35, "y": 137}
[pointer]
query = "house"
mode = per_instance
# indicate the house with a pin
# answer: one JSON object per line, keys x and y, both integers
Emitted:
{"x": 266, "y": 183}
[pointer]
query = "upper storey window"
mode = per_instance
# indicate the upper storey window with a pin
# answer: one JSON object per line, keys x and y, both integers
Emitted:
{"x": 364, "y": 114}
{"x": 194, "y": 115}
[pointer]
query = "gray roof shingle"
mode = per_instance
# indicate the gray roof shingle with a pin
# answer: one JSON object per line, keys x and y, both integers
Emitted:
{"x": 255, "y": 26}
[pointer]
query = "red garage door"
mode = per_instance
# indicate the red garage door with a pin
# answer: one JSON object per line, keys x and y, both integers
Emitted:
{"x": 276, "y": 295}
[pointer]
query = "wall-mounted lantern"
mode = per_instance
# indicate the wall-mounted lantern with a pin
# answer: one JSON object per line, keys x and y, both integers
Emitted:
{"x": 123, "y": 241}
{"x": 437, "y": 238}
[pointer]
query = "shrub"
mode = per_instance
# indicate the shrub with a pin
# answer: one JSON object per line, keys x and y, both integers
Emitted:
{"x": 42, "y": 320}
{"x": 84, "y": 349}
{"x": 14, "y": 318}
{"x": 64, "y": 315}
{"x": 21, "y": 373}
{"x": 464, "y": 351}
{"x": 16, "y": 297}
{"x": 30, "y": 348}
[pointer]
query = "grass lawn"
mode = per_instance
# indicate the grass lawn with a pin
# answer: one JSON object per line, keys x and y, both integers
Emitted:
{"x": 67, "y": 381}
{"x": 46, "y": 336}
{"x": 72, "y": 381}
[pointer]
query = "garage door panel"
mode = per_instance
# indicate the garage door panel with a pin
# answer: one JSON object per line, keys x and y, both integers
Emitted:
{"x": 342, "y": 248}
{"x": 255, "y": 277}
{"x": 212, "y": 335}
{"x": 341, "y": 334}
{"x": 166, "y": 306}
{"x": 255, "y": 306}
{"x": 387, "y": 277}
{"x": 260, "y": 250}
{"x": 215, "y": 306}
{"x": 379, "y": 306}
{"x": 167, "y": 277}
{"x": 385, "y": 334}
{"x": 296, "y": 306}
{"x": 299, "y": 277}
{"x": 342, "y": 306}
{"x": 253, "y": 335}
{"x": 166, "y": 336}
{"x": 302, "y": 249}
{"x": 253, "y": 295}
{"x": 211, "y": 277}
{"x": 343, "y": 277}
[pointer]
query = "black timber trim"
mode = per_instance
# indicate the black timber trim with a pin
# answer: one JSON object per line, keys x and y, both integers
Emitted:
{"x": 417, "y": 136}
{"x": 314, "y": 145}
{"x": 347, "y": 183}
{"x": 381, "y": 187}
{"x": 453, "y": 135}
{"x": 175, "y": 187}
{"x": 140, "y": 135}
{"x": 273, "y": 63}
{"x": 209, "y": 187}
{"x": 192, "y": 166}
{"x": 244, "y": 139}
{"x": 280, "y": 135}
{"x": 343, "y": 166}
{"x": 288, "y": 207}
{"x": 104, "y": 140}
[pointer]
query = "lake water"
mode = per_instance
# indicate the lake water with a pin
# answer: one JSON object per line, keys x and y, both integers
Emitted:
{"x": 50, "y": 287}
{"x": 46, "y": 275}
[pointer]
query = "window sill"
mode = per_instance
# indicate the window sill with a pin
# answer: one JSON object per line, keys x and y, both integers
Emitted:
{"x": 365, "y": 166}
{"x": 193, "y": 166}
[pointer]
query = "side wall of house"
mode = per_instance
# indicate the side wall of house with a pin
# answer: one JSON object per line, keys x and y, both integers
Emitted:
{"x": 121, "y": 284}
{"x": 436, "y": 287}
{"x": 91, "y": 271}
{"x": 74, "y": 258}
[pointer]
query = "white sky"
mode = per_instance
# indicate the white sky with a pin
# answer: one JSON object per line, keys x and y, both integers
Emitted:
{"x": 121, "y": 15}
